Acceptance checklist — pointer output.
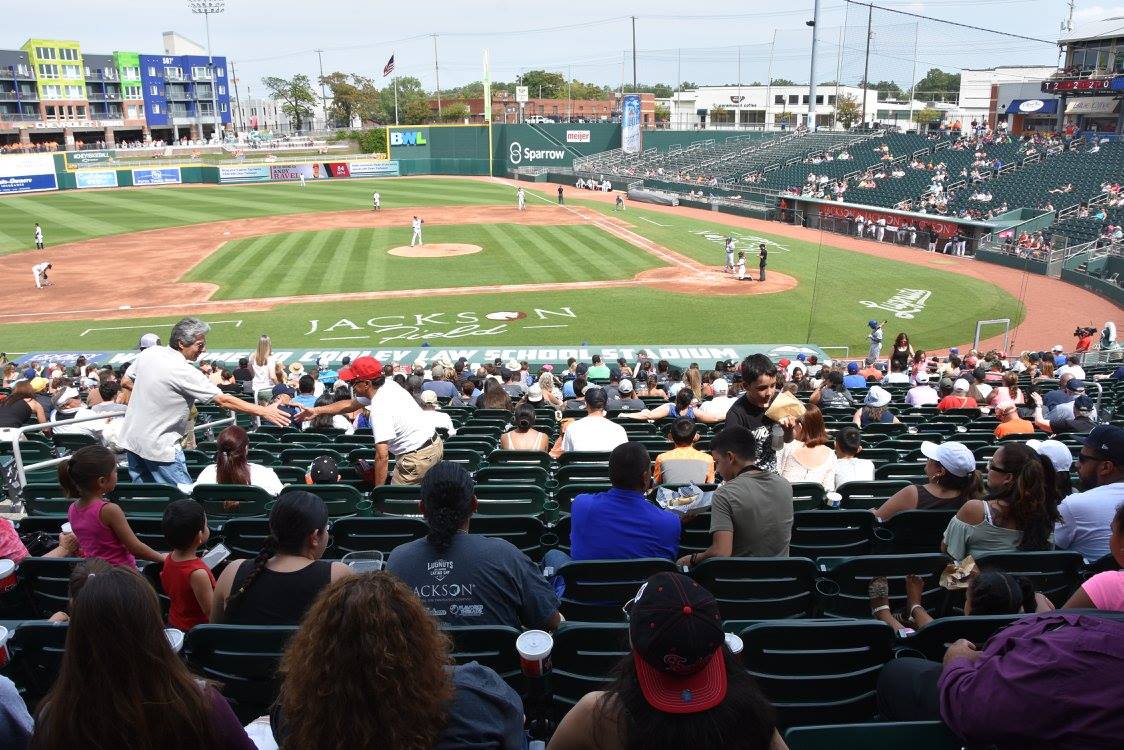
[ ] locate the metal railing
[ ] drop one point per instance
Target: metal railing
(23, 469)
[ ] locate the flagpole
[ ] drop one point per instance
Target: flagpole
(395, 100)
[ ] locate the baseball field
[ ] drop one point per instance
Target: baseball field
(316, 267)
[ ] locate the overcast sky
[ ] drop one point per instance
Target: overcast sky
(703, 42)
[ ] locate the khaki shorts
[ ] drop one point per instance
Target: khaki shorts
(409, 468)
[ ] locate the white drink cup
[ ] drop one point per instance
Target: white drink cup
(534, 648)
(734, 643)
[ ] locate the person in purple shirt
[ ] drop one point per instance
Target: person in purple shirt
(620, 524)
(1047, 681)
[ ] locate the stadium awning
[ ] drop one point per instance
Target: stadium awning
(1033, 107)
(1092, 106)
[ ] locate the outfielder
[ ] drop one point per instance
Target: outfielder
(729, 267)
(38, 237)
(417, 225)
(39, 270)
(302, 179)
(521, 199)
(620, 202)
(377, 201)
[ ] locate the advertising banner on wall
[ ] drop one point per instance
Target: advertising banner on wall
(77, 159)
(373, 168)
(105, 179)
(25, 173)
(630, 124)
(164, 176)
(338, 169)
(314, 171)
(243, 174)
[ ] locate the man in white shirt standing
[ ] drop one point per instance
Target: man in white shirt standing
(38, 237)
(376, 200)
(167, 384)
(520, 199)
(594, 432)
(416, 224)
(400, 427)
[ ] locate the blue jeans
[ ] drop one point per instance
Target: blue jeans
(556, 558)
(157, 472)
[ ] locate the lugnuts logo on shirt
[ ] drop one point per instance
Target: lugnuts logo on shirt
(440, 569)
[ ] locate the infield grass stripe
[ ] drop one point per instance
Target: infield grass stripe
(558, 263)
(511, 246)
(292, 273)
(341, 266)
(81, 222)
(621, 252)
(284, 266)
(10, 243)
(243, 273)
(579, 242)
(226, 206)
(372, 264)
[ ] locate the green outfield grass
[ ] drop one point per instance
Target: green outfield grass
(826, 308)
(356, 260)
(79, 214)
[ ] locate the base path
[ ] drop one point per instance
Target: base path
(1053, 307)
(136, 274)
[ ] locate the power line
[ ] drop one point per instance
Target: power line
(955, 23)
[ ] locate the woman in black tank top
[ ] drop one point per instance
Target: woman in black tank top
(279, 585)
(19, 406)
(949, 471)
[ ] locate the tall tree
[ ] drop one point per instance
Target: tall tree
(296, 96)
(888, 90)
(847, 110)
(413, 102)
(938, 86)
(544, 84)
(782, 82)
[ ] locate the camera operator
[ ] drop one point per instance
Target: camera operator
(1084, 335)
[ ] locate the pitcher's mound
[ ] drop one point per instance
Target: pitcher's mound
(435, 250)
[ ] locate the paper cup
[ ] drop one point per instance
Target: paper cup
(734, 643)
(534, 648)
(834, 499)
(67, 528)
(175, 638)
(4, 633)
(7, 575)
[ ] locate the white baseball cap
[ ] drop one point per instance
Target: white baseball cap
(876, 396)
(953, 456)
(428, 397)
(625, 386)
(960, 385)
(720, 386)
(921, 377)
(513, 365)
(1057, 348)
(534, 393)
(147, 340)
(1055, 450)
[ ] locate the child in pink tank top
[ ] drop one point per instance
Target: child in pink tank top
(100, 526)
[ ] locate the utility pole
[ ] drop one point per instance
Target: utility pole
(437, 75)
(323, 91)
(237, 98)
(769, 80)
(839, 64)
(866, 65)
(913, 80)
(814, 23)
(678, 76)
(634, 86)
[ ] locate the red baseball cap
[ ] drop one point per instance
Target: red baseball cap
(362, 368)
(785, 362)
(677, 645)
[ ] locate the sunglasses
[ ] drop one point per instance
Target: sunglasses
(992, 467)
(1083, 457)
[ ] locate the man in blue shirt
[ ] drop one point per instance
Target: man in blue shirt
(620, 524)
(852, 379)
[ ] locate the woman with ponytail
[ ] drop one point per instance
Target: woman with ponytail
(1017, 514)
(279, 585)
(524, 437)
(469, 579)
(232, 465)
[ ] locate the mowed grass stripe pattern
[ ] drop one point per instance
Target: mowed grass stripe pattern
(76, 214)
(357, 260)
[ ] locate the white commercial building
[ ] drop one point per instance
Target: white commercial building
(979, 90)
(767, 107)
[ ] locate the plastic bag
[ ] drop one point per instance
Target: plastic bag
(685, 500)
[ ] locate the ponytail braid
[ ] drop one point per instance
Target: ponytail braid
(267, 551)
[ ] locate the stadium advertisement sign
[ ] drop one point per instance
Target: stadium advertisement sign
(630, 124)
(244, 174)
(105, 179)
(680, 355)
(25, 173)
(374, 168)
(943, 228)
(77, 159)
(163, 176)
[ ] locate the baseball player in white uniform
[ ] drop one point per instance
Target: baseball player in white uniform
(729, 267)
(740, 267)
(521, 199)
(377, 201)
(417, 225)
(38, 237)
(39, 270)
(302, 179)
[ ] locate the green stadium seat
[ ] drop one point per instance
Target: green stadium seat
(759, 588)
(242, 660)
(584, 656)
(597, 589)
(225, 501)
(850, 597)
(36, 650)
(916, 735)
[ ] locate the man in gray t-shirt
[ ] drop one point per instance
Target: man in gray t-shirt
(751, 513)
(478, 580)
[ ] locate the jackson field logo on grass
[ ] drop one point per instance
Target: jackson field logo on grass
(439, 326)
(905, 303)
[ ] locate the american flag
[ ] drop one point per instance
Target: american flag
(389, 68)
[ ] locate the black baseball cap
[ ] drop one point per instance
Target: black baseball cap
(323, 470)
(677, 639)
(1109, 440)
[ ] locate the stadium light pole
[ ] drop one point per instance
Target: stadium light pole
(207, 8)
(814, 23)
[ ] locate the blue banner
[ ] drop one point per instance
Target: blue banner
(96, 179)
(630, 124)
(163, 176)
(373, 168)
(28, 183)
(243, 174)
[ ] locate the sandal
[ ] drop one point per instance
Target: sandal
(879, 591)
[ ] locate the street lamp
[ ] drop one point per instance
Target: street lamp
(208, 8)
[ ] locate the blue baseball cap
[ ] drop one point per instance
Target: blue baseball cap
(1109, 440)
(283, 390)
(852, 368)
(1059, 360)
(872, 323)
